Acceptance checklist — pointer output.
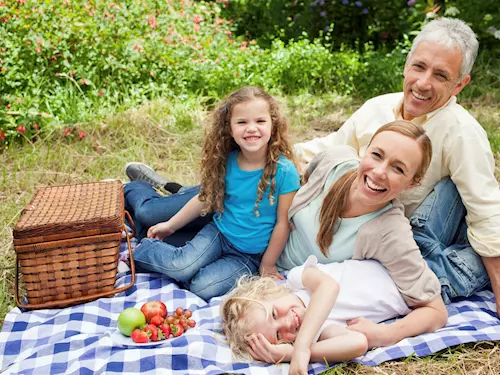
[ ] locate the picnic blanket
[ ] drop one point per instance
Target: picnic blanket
(80, 339)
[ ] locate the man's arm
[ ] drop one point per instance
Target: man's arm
(492, 266)
(472, 169)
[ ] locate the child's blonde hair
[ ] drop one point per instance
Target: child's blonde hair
(249, 291)
(219, 143)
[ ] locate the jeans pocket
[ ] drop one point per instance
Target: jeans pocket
(467, 272)
(423, 211)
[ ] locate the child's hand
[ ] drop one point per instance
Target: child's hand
(161, 230)
(270, 271)
(300, 361)
(262, 350)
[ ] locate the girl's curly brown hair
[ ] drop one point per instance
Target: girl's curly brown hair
(219, 143)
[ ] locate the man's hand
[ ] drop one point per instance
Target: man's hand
(262, 350)
(161, 230)
(375, 333)
(301, 167)
(492, 266)
(300, 361)
(270, 271)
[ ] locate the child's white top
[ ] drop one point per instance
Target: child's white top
(366, 290)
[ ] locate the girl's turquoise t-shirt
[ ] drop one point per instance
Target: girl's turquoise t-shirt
(238, 223)
(302, 240)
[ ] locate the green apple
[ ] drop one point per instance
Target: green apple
(130, 319)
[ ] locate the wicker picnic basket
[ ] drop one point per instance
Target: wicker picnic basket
(67, 241)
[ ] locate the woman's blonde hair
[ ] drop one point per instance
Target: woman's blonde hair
(219, 143)
(334, 202)
(249, 291)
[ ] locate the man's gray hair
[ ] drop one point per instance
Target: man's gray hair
(451, 33)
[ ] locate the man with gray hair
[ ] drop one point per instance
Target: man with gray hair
(455, 212)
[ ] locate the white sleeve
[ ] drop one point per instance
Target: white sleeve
(294, 278)
(346, 135)
(472, 169)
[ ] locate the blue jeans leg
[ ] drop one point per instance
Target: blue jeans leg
(148, 208)
(180, 263)
(220, 276)
(440, 230)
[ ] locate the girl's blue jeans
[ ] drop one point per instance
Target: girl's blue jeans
(440, 230)
(148, 208)
(208, 265)
(198, 256)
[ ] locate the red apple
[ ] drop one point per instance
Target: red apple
(153, 308)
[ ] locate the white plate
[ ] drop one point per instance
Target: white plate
(120, 339)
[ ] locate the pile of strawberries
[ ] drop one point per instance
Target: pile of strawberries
(159, 326)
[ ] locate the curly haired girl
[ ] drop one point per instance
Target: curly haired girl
(248, 180)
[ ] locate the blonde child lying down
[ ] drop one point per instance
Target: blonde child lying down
(306, 319)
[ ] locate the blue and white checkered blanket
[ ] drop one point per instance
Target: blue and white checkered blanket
(79, 340)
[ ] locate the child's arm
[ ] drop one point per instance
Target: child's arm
(186, 214)
(324, 294)
(337, 344)
(278, 237)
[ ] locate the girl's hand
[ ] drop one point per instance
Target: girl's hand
(375, 333)
(300, 361)
(270, 271)
(262, 350)
(161, 230)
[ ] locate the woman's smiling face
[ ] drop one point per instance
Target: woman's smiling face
(388, 167)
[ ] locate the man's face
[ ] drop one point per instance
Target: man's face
(431, 78)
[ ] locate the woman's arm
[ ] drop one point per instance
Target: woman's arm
(423, 319)
(278, 237)
(186, 214)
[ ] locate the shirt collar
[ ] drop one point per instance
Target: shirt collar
(398, 111)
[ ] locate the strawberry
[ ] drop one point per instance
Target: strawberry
(157, 320)
(165, 329)
(152, 332)
(177, 330)
(139, 336)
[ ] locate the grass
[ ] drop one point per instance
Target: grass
(167, 134)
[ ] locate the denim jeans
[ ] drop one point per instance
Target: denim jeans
(148, 208)
(440, 230)
(208, 265)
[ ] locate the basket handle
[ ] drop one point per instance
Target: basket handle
(129, 218)
(78, 300)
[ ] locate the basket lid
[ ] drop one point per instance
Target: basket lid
(67, 211)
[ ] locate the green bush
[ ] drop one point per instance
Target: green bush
(350, 23)
(353, 23)
(63, 62)
(68, 62)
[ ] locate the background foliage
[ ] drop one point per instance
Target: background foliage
(66, 62)
(353, 23)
